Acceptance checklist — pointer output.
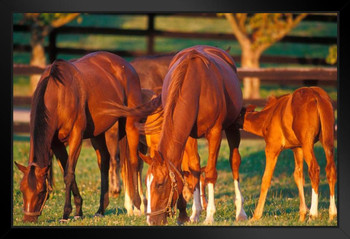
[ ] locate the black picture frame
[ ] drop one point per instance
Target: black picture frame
(8, 7)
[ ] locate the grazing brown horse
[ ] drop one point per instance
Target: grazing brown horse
(296, 121)
(201, 96)
(190, 166)
(66, 108)
(151, 71)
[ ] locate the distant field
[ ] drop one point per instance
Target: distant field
(281, 208)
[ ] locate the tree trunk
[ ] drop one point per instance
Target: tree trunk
(38, 57)
(251, 85)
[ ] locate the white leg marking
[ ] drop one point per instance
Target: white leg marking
(211, 205)
(201, 193)
(196, 207)
(332, 206)
(240, 213)
(314, 204)
(149, 181)
(128, 202)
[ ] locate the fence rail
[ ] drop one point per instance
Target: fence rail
(285, 75)
(151, 33)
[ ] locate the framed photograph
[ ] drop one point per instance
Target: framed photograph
(166, 153)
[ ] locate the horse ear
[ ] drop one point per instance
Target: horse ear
(43, 171)
(22, 168)
(145, 158)
(228, 49)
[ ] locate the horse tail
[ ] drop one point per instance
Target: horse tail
(326, 113)
(142, 111)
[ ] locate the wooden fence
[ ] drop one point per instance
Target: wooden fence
(285, 76)
(281, 75)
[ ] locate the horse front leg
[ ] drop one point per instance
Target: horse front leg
(75, 142)
(214, 140)
(234, 138)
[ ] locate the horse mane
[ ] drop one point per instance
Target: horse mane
(178, 76)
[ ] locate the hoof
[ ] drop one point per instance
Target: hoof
(194, 219)
(182, 220)
(78, 217)
(313, 217)
(64, 220)
(208, 221)
(97, 214)
(332, 216)
(241, 217)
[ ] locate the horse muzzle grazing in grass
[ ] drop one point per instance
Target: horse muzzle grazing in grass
(296, 121)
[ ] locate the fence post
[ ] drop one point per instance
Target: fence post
(52, 45)
(150, 30)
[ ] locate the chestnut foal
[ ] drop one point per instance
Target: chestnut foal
(296, 121)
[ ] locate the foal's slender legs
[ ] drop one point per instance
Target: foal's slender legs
(233, 137)
(100, 147)
(214, 141)
(299, 180)
(314, 174)
(331, 173)
(271, 153)
(60, 152)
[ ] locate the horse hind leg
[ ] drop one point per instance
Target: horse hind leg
(234, 138)
(314, 174)
(331, 173)
(299, 180)
(214, 140)
(100, 147)
(271, 152)
(114, 165)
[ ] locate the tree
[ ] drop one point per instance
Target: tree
(255, 33)
(41, 25)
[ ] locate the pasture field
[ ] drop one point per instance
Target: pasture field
(281, 208)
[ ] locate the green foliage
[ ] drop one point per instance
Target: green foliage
(332, 55)
(44, 19)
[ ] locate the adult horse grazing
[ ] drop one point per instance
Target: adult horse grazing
(66, 108)
(296, 121)
(201, 96)
(190, 166)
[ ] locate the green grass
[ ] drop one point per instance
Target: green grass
(281, 208)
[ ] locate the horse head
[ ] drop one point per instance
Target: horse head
(164, 185)
(35, 188)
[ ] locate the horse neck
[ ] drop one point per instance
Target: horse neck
(171, 146)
